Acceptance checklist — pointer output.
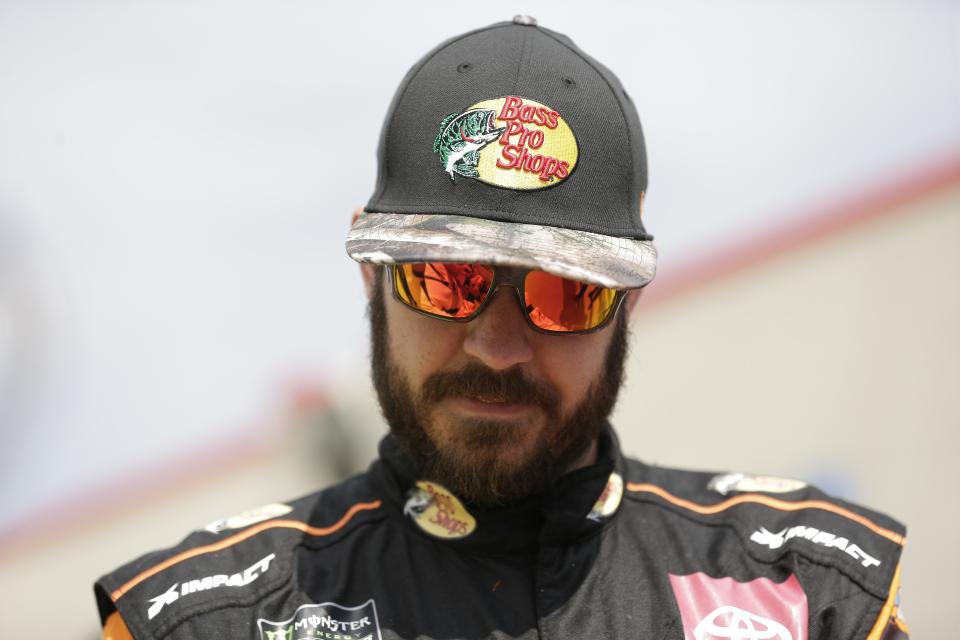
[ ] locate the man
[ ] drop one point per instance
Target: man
(502, 253)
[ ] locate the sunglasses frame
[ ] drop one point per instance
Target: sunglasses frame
(513, 277)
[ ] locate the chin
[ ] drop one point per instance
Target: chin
(491, 462)
(485, 438)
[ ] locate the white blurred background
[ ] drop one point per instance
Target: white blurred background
(182, 335)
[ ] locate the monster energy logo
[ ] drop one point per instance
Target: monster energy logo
(461, 137)
(329, 621)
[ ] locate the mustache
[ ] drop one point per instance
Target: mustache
(482, 383)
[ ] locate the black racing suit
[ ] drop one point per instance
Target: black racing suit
(619, 549)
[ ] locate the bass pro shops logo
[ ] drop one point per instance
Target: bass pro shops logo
(438, 512)
(327, 621)
(535, 147)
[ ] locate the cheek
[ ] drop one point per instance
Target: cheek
(420, 346)
(573, 363)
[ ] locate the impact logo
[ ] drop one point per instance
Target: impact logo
(178, 590)
(438, 512)
(510, 142)
(777, 540)
(328, 621)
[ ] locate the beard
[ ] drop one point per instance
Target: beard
(484, 466)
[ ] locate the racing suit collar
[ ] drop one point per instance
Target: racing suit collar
(568, 510)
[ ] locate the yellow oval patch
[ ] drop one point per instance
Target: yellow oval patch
(438, 512)
(609, 499)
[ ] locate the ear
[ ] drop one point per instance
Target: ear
(370, 272)
(356, 214)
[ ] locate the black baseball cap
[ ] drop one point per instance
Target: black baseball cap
(509, 145)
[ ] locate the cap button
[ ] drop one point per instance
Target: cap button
(528, 21)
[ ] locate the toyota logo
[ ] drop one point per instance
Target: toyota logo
(731, 623)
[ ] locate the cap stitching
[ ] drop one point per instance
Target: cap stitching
(589, 61)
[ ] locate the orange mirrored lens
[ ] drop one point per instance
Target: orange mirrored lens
(557, 304)
(448, 290)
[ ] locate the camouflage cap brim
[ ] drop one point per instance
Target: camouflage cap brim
(608, 261)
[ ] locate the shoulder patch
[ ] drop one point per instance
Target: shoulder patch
(249, 517)
(727, 483)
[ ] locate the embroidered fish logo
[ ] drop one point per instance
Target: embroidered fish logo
(418, 501)
(461, 137)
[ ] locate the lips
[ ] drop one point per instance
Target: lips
(490, 406)
(489, 399)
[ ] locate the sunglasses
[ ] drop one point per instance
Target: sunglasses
(459, 292)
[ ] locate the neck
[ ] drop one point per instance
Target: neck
(588, 458)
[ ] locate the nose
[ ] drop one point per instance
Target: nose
(499, 336)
